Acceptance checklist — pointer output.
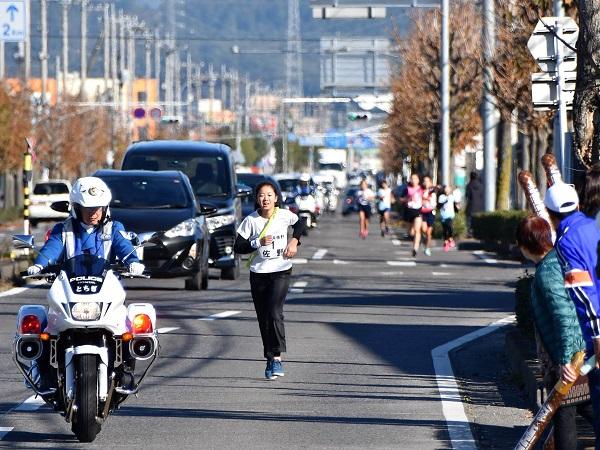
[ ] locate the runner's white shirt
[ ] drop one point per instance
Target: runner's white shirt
(270, 258)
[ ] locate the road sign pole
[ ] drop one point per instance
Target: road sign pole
(563, 156)
(445, 94)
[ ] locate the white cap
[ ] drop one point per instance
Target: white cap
(561, 198)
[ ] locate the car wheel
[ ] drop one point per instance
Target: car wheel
(199, 280)
(231, 273)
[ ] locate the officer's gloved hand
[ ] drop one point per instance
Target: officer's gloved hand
(136, 268)
(34, 270)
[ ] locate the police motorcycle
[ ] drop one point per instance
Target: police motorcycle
(304, 203)
(77, 353)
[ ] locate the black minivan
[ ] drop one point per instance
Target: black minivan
(211, 171)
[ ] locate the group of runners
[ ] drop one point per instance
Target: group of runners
(421, 202)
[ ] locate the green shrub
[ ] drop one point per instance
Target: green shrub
(497, 227)
(523, 308)
(10, 214)
(459, 224)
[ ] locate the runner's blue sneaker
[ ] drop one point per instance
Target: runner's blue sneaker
(269, 370)
(277, 368)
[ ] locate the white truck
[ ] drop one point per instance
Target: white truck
(332, 161)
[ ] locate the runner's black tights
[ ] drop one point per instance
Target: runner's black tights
(268, 294)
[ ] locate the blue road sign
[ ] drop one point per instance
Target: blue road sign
(13, 23)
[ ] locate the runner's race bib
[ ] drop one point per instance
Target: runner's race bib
(276, 249)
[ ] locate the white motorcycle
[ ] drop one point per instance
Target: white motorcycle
(307, 210)
(79, 353)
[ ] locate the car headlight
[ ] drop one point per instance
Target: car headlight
(186, 228)
(86, 311)
(216, 222)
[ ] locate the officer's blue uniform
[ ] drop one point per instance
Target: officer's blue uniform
(54, 249)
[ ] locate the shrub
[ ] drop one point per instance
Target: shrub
(523, 308)
(498, 227)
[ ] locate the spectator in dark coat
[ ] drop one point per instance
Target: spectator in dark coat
(474, 197)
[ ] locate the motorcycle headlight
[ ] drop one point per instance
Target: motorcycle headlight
(186, 228)
(216, 222)
(86, 311)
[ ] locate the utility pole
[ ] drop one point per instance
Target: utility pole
(44, 47)
(293, 57)
(65, 44)
(189, 98)
(177, 77)
(106, 46)
(148, 54)
(488, 109)
(157, 64)
(247, 104)
(212, 80)
(83, 63)
(223, 86)
(557, 8)
(27, 41)
(445, 87)
(114, 58)
(59, 86)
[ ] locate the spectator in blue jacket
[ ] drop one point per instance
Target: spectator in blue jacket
(576, 248)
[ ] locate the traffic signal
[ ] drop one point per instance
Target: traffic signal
(359, 116)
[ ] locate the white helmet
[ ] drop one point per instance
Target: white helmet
(89, 192)
(304, 177)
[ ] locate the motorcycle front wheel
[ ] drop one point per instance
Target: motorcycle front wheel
(84, 424)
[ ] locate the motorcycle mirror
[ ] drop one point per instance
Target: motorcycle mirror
(23, 241)
(243, 190)
(62, 206)
(205, 209)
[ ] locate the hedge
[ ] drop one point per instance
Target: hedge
(497, 227)
(459, 224)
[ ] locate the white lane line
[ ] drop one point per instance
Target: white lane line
(444, 266)
(391, 274)
(4, 431)
(484, 256)
(166, 330)
(402, 263)
(319, 254)
(32, 403)
(299, 260)
(440, 274)
(340, 261)
(13, 291)
(452, 406)
(220, 315)
(298, 287)
(396, 242)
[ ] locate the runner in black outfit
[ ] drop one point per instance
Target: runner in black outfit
(265, 232)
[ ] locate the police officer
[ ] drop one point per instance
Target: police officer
(88, 230)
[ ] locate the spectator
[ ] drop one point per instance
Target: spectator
(556, 323)
(474, 197)
(576, 247)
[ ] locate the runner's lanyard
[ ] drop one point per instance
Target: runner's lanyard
(262, 234)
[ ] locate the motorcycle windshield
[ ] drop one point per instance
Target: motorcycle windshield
(86, 273)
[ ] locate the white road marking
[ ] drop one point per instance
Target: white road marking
(444, 265)
(299, 260)
(391, 274)
(13, 291)
(4, 431)
(30, 404)
(300, 284)
(396, 242)
(452, 406)
(484, 256)
(166, 330)
(339, 261)
(402, 263)
(319, 254)
(220, 315)
(440, 274)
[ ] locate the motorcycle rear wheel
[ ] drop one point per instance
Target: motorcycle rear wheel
(84, 424)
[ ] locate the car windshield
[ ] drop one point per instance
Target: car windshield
(289, 185)
(331, 166)
(85, 265)
(148, 192)
(208, 174)
(50, 188)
